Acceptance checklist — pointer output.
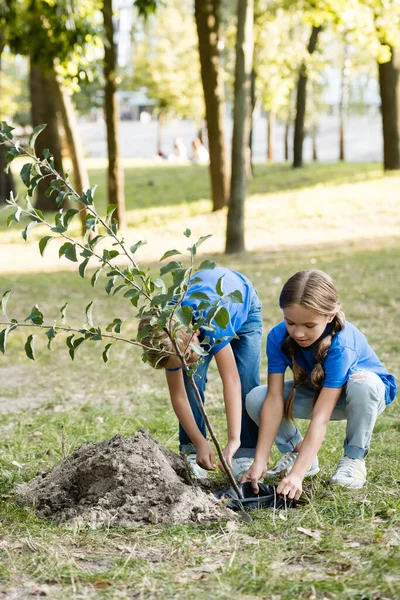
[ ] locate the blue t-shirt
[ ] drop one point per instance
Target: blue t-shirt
(349, 352)
(238, 312)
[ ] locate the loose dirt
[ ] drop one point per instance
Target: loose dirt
(121, 482)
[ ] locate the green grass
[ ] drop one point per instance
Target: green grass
(357, 555)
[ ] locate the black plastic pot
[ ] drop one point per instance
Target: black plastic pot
(266, 498)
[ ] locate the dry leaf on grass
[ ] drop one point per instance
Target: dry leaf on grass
(312, 534)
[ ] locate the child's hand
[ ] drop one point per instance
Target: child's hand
(205, 456)
(254, 474)
(228, 453)
(290, 486)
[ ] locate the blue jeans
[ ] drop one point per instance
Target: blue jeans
(247, 352)
(361, 401)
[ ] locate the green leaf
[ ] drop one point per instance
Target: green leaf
(202, 239)
(133, 296)
(95, 277)
(36, 316)
(30, 347)
(69, 251)
(4, 300)
(82, 267)
(43, 243)
(199, 296)
(39, 214)
(184, 314)
(14, 217)
(109, 254)
(221, 317)
(3, 339)
(116, 325)
(198, 349)
(11, 155)
(110, 284)
(171, 266)
(95, 241)
(28, 228)
(51, 334)
(170, 253)
(37, 131)
(106, 353)
(25, 174)
(111, 208)
(219, 286)
(136, 246)
(88, 312)
(207, 264)
(187, 233)
(118, 288)
(63, 311)
(236, 297)
(69, 215)
(7, 130)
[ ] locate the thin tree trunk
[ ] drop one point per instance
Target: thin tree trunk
(44, 110)
(241, 126)
(344, 101)
(6, 178)
(75, 149)
(301, 103)
(116, 193)
(207, 14)
(389, 81)
(286, 140)
(271, 123)
(250, 165)
(161, 119)
(314, 143)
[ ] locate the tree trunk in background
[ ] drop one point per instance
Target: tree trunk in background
(389, 82)
(341, 137)
(161, 119)
(75, 148)
(6, 178)
(314, 143)
(286, 140)
(271, 122)
(207, 14)
(241, 126)
(44, 110)
(301, 103)
(344, 100)
(116, 193)
(250, 165)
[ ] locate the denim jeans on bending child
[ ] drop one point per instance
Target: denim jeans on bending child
(361, 401)
(247, 352)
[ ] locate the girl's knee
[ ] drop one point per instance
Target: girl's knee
(254, 401)
(364, 387)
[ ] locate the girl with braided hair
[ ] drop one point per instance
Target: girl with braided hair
(336, 376)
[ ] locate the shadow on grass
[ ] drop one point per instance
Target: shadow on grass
(169, 185)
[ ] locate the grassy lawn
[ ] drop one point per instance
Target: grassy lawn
(354, 552)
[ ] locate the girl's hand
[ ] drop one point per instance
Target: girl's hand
(205, 456)
(290, 486)
(228, 452)
(254, 474)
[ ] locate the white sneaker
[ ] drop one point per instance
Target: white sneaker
(197, 471)
(350, 472)
(285, 464)
(240, 465)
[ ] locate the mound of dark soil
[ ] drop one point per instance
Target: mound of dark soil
(121, 482)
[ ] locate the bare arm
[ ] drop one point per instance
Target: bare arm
(327, 400)
(232, 391)
(270, 419)
(182, 409)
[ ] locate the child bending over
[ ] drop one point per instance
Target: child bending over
(238, 362)
(336, 376)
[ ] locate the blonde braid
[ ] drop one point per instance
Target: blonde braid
(318, 375)
(300, 376)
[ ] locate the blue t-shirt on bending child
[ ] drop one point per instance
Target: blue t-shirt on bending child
(349, 352)
(238, 312)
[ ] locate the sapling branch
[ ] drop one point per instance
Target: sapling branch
(164, 310)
